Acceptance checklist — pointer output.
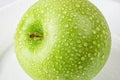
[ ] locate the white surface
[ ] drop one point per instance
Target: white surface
(9, 17)
(6, 2)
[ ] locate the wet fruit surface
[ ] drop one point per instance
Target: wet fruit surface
(62, 40)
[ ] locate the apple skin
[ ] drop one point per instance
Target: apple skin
(62, 40)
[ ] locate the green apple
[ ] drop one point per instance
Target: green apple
(62, 40)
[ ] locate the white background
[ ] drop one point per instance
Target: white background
(12, 10)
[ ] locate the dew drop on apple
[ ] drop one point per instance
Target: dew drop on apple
(82, 58)
(79, 62)
(79, 46)
(97, 21)
(69, 19)
(90, 18)
(84, 37)
(67, 33)
(80, 67)
(66, 44)
(98, 29)
(77, 5)
(20, 47)
(78, 41)
(85, 44)
(68, 51)
(71, 43)
(42, 11)
(73, 48)
(94, 32)
(68, 72)
(67, 25)
(95, 54)
(79, 34)
(71, 59)
(72, 35)
(89, 55)
(60, 57)
(83, 73)
(78, 54)
(98, 45)
(63, 36)
(94, 42)
(103, 57)
(57, 77)
(62, 16)
(64, 12)
(91, 58)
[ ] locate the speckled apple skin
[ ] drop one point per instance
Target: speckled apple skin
(73, 40)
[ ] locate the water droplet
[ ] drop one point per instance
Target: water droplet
(98, 29)
(83, 73)
(98, 45)
(91, 47)
(84, 37)
(59, 15)
(91, 58)
(95, 54)
(79, 34)
(94, 42)
(72, 54)
(78, 41)
(78, 54)
(54, 69)
(56, 37)
(62, 17)
(63, 8)
(60, 57)
(65, 40)
(75, 65)
(63, 63)
(67, 32)
(75, 27)
(64, 12)
(83, 12)
(72, 64)
(103, 57)
(42, 11)
(68, 71)
(73, 48)
(63, 36)
(66, 25)
(57, 77)
(79, 46)
(72, 35)
(68, 51)
(97, 36)
(66, 44)
(71, 43)
(33, 64)
(78, 5)
(85, 44)
(104, 32)
(94, 32)
(79, 63)
(74, 15)
(82, 58)
(89, 55)
(69, 19)
(38, 71)
(97, 21)
(71, 59)
(90, 18)
(78, 76)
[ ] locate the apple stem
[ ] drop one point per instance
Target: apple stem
(34, 36)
